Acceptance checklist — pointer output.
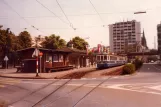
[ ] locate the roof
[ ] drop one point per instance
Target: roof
(43, 49)
(64, 49)
(67, 49)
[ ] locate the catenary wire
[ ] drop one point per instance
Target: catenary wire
(52, 12)
(64, 14)
(20, 16)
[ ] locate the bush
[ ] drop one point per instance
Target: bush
(128, 69)
(138, 64)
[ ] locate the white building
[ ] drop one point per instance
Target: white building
(122, 34)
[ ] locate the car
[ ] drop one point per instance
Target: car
(152, 61)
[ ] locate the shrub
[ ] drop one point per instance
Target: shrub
(138, 63)
(128, 69)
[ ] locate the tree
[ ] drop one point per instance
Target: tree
(78, 43)
(53, 42)
(8, 43)
(24, 40)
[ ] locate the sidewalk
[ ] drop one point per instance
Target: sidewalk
(11, 73)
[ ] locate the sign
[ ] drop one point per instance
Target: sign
(36, 53)
(6, 58)
(40, 54)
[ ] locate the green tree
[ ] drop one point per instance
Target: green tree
(78, 43)
(8, 45)
(24, 40)
(53, 42)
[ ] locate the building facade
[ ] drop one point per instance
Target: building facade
(123, 34)
(52, 59)
(159, 38)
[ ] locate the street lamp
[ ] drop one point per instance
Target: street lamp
(140, 12)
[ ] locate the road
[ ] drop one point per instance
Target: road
(142, 89)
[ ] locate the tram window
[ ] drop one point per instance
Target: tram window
(101, 58)
(98, 58)
(105, 58)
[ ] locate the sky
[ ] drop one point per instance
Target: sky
(81, 15)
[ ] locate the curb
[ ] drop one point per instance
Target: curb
(24, 77)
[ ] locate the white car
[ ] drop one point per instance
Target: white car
(152, 61)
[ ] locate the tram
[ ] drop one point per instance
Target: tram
(107, 61)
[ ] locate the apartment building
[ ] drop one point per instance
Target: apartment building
(124, 34)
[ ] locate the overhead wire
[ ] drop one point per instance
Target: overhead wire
(97, 11)
(65, 14)
(90, 14)
(52, 12)
(20, 16)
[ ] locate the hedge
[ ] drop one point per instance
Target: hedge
(138, 64)
(128, 69)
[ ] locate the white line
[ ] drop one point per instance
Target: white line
(158, 87)
(94, 78)
(33, 83)
(118, 87)
(115, 77)
(156, 68)
(84, 78)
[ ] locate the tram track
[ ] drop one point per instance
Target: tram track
(65, 95)
(10, 104)
(81, 99)
(49, 104)
(52, 92)
(55, 90)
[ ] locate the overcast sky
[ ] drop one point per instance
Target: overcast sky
(83, 17)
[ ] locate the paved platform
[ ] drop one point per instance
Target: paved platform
(90, 72)
(11, 73)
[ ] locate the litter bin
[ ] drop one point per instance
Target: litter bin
(29, 66)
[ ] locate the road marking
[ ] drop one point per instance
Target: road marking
(158, 87)
(33, 83)
(94, 78)
(9, 82)
(83, 78)
(5, 82)
(129, 87)
(115, 77)
(118, 86)
(156, 68)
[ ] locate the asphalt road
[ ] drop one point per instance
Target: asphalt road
(142, 89)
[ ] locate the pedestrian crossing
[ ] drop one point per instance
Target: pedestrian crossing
(7, 81)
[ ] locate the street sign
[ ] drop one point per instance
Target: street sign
(36, 53)
(6, 58)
